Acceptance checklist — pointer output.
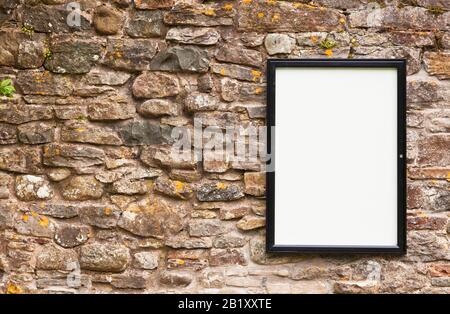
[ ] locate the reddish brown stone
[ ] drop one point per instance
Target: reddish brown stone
(437, 63)
(262, 15)
(433, 150)
(426, 223)
(219, 257)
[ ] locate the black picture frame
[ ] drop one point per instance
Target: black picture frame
(400, 66)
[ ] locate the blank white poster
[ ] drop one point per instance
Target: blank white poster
(336, 157)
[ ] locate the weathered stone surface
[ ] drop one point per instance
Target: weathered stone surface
(56, 210)
(158, 107)
(424, 92)
(391, 17)
(72, 156)
(146, 260)
(18, 114)
(193, 36)
(162, 155)
(18, 49)
(251, 223)
(104, 257)
(8, 134)
(204, 227)
(175, 278)
(217, 119)
(188, 243)
(433, 150)
(229, 241)
(132, 280)
(255, 183)
(70, 112)
(101, 216)
(69, 236)
(33, 224)
(411, 54)
(130, 54)
(239, 55)
(171, 188)
(107, 77)
(411, 38)
(20, 159)
(30, 188)
(237, 71)
(258, 253)
(199, 15)
(5, 183)
(144, 133)
(201, 102)
(281, 16)
(426, 247)
(437, 63)
(426, 223)
(76, 131)
(181, 58)
(146, 24)
(402, 278)
(155, 85)
(219, 192)
(153, 4)
(72, 56)
(219, 257)
(35, 82)
(48, 19)
(111, 109)
(279, 43)
(81, 188)
(36, 132)
(150, 218)
(107, 20)
(233, 212)
(52, 257)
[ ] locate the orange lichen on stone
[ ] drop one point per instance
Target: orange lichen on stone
(13, 289)
(258, 90)
(222, 71)
(25, 217)
(228, 7)
(221, 185)
(256, 75)
(329, 52)
(43, 221)
(261, 15)
(247, 1)
(342, 20)
(275, 17)
(179, 186)
(448, 176)
(207, 11)
(271, 1)
(314, 39)
(107, 211)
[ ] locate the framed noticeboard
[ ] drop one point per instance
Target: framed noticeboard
(337, 141)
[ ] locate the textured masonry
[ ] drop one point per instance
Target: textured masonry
(90, 192)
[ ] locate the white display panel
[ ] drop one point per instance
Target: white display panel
(336, 157)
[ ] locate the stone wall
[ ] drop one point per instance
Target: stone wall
(91, 199)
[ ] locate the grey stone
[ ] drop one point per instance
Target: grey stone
(144, 133)
(8, 134)
(146, 260)
(72, 156)
(146, 24)
(73, 56)
(279, 43)
(81, 188)
(36, 132)
(194, 36)
(181, 58)
(101, 216)
(104, 257)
